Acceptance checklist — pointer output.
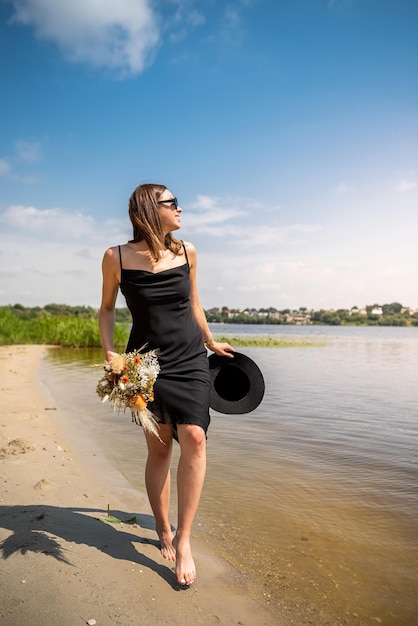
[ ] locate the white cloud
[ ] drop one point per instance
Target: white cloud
(232, 218)
(47, 222)
(57, 225)
(55, 255)
(231, 31)
(118, 35)
(208, 215)
(23, 151)
(205, 202)
(406, 185)
(198, 222)
(28, 151)
(338, 3)
(342, 188)
(40, 272)
(5, 168)
(211, 203)
(185, 15)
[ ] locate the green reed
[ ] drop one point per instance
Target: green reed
(260, 341)
(72, 331)
(55, 330)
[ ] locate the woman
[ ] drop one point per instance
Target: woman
(157, 275)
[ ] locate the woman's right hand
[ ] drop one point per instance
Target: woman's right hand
(109, 354)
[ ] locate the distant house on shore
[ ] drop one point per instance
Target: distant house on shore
(296, 317)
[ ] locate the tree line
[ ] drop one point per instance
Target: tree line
(393, 314)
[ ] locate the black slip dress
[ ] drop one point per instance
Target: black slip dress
(159, 303)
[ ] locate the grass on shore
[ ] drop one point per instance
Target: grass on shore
(261, 341)
(76, 332)
(69, 332)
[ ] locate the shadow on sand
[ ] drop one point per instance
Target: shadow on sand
(37, 528)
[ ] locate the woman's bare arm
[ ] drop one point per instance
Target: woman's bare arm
(222, 349)
(110, 286)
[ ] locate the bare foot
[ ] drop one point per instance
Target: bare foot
(185, 567)
(166, 545)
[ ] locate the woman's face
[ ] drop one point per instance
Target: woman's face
(169, 212)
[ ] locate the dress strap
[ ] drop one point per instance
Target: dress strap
(120, 257)
(185, 253)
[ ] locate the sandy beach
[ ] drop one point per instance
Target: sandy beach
(60, 561)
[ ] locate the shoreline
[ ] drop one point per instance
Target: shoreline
(60, 561)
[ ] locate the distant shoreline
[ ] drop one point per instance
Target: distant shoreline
(68, 326)
(347, 324)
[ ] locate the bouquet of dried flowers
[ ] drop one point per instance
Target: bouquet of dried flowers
(128, 382)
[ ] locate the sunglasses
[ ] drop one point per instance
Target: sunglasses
(169, 201)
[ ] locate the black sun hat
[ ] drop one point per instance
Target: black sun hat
(237, 384)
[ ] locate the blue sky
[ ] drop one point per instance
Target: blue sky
(287, 129)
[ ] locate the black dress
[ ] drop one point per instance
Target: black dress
(162, 319)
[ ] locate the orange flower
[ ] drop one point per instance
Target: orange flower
(125, 379)
(140, 401)
(137, 360)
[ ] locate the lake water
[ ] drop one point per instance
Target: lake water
(313, 497)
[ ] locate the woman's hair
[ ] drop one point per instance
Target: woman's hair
(146, 223)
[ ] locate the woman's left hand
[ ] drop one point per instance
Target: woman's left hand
(222, 349)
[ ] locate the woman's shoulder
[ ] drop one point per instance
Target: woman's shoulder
(190, 248)
(112, 254)
(190, 253)
(112, 251)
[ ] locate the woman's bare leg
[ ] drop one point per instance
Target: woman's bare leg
(157, 481)
(190, 477)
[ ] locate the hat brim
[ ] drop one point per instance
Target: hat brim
(237, 384)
